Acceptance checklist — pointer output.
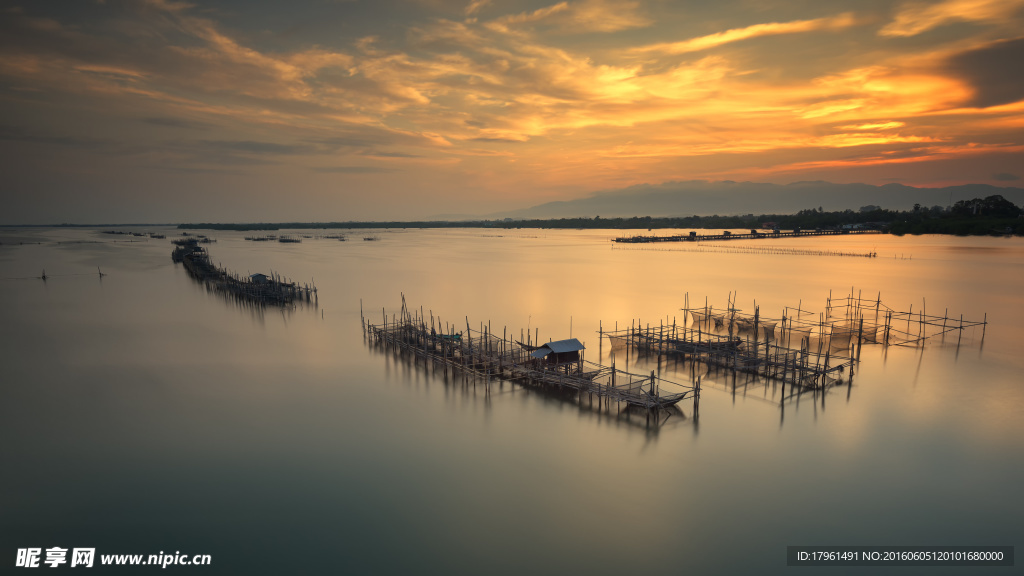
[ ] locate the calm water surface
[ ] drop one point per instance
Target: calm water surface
(141, 414)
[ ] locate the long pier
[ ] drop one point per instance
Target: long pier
(258, 289)
(695, 237)
(488, 355)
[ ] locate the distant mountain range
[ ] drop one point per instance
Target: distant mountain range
(704, 198)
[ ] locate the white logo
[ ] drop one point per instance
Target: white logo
(28, 557)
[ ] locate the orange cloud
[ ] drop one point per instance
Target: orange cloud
(738, 34)
(517, 89)
(916, 17)
(581, 16)
(928, 154)
(475, 5)
(875, 126)
(738, 143)
(888, 91)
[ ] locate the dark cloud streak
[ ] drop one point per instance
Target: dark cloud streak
(22, 134)
(170, 122)
(993, 71)
(256, 147)
(354, 170)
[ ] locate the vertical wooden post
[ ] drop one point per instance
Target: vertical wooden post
(860, 339)
(785, 372)
(696, 398)
(756, 319)
(817, 361)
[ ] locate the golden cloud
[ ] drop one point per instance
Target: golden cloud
(875, 126)
(513, 89)
(916, 17)
(581, 16)
(737, 34)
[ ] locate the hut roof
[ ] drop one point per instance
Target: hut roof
(558, 347)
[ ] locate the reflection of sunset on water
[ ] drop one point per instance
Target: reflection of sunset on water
(186, 393)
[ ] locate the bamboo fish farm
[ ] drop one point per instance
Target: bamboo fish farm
(801, 349)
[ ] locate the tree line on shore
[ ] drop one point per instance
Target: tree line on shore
(979, 216)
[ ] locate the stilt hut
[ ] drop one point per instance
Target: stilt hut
(562, 355)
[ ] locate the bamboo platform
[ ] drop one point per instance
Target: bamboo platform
(272, 289)
(485, 354)
(811, 367)
(801, 348)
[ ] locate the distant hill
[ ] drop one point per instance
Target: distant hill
(704, 198)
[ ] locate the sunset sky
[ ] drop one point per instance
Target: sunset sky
(321, 110)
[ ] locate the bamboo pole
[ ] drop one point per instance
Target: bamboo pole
(860, 338)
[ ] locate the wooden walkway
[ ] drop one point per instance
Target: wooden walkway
(487, 355)
(257, 289)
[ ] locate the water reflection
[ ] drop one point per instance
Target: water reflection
(472, 385)
(295, 428)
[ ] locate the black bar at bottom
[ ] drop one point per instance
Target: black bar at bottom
(899, 556)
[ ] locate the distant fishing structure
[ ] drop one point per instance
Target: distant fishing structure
(44, 276)
(153, 235)
(260, 289)
(770, 250)
(727, 235)
(286, 239)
